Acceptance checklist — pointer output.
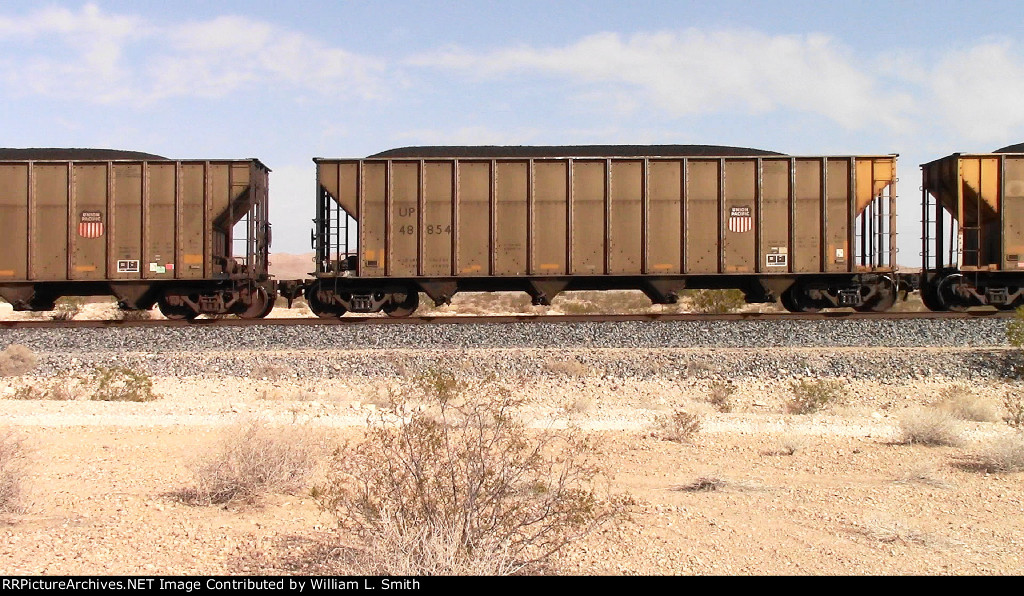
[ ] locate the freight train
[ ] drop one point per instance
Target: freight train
(814, 232)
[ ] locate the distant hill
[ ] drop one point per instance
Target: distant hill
(287, 266)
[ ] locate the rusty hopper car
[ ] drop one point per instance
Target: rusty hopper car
(817, 232)
(190, 236)
(973, 230)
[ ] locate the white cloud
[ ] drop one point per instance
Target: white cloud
(695, 72)
(108, 58)
(977, 92)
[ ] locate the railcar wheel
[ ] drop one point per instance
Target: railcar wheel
(787, 302)
(948, 297)
(321, 308)
(405, 307)
(883, 300)
(795, 300)
(175, 312)
(930, 298)
(261, 305)
(270, 305)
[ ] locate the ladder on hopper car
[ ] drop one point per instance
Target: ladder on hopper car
(874, 236)
(330, 236)
(964, 242)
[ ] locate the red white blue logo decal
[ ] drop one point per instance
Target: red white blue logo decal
(90, 225)
(740, 219)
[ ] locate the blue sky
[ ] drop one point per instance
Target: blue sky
(287, 81)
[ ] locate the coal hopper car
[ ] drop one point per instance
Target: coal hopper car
(973, 230)
(815, 232)
(191, 236)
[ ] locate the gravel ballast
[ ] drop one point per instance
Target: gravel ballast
(974, 348)
(980, 332)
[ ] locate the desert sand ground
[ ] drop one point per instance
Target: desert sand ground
(836, 492)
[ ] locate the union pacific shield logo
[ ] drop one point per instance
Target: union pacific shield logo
(90, 225)
(740, 219)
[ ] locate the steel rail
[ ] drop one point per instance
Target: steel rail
(500, 319)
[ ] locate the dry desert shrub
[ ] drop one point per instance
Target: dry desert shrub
(704, 484)
(811, 395)
(1015, 328)
(584, 404)
(67, 308)
(959, 401)
(610, 302)
(119, 383)
(270, 371)
(929, 426)
(923, 473)
(569, 367)
(679, 427)
(495, 302)
(790, 443)
(12, 472)
(1013, 402)
(132, 315)
(720, 396)
(253, 460)
(891, 530)
(101, 384)
(461, 487)
(708, 484)
(1005, 454)
(63, 388)
(16, 360)
(909, 302)
(716, 301)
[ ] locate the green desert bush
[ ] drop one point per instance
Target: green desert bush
(120, 383)
(67, 308)
(716, 301)
(1015, 329)
(811, 395)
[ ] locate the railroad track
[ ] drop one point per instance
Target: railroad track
(450, 320)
